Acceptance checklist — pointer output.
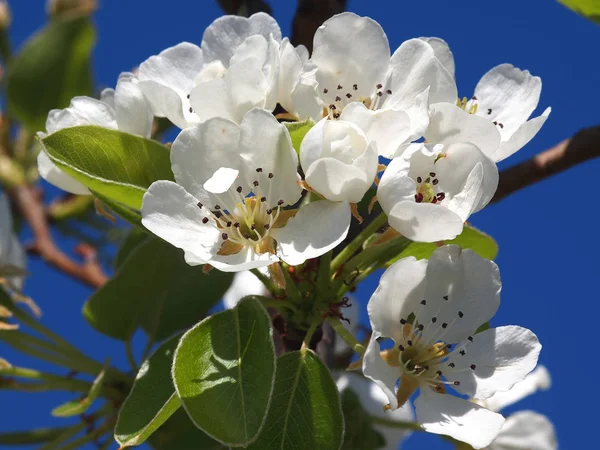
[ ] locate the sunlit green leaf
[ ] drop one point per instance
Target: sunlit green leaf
(587, 8)
(77, 407)
(298, 130)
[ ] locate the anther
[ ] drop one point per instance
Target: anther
(457, 383)
(423, 302)
(409, 343)
(340, 87)
(237, 224)
(253, 227)
(200, 205)
(401, 347)
(495, 123)
(218, 214)
(228, 224)
(379, 93)
(452, 365)
(269, 211)
(255, 184)
(267, 226)
(433, 319)
(388, 92)
(205, 220)
(460, 314)
(434, 200)
(419, 197)
(336, 116)
(188, 96)
(470, 338)
(473, 98)
(439, 372)
(191, 109)
(348, 95)
(259, 169)
(462, 353)
(473, 366)
(500, 125)
(224, 236)
(441, 196)
(402, 321)
(421, 327)
(435, 181)
(419, 180)
(217, 207)
(263, 199)
(448, 346)
(239, 189)
(270, 175)
(325, 91)
(432, 174)
(338, 99)
(445, 297)
(332, 107)
(379, 86)
(489, 111)
(355, 87)
(280, 202)
(444, 325)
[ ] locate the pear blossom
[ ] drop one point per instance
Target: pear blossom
(359, 82)
(431, 190)
(371, 398)
(123, 108)
(230, 207)
(12, 255)
(523, 430)
(424, 315)
(504, 98)
(234, 70)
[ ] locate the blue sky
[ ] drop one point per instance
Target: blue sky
(547, 256)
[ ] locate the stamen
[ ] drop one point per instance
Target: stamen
(325, 91)
(473, 366)
(340, 87)
(224, 236)
(355, 87)
(200, 205)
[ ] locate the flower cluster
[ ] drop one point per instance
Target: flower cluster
(246, 196)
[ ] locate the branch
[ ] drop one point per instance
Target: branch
(585, 145)
(310, 15)
(32, 210)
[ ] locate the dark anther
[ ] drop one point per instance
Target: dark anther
(426, 367)
(441, 196)
(325, 91)
(470, 338)
(473, 367)
(280, 202)
(332, 107)
(253, 227)
(500, 125)
(340, 87)
(457, 383)
(270, 175)
(448, 346)
(402, 321)
(379, 94)
(269, 211)
(444, 325)
(433, 319)
(239, 189)
(336, 116)
(200, 205)
(460, 314)
(401, 347)
(423, 302)
(263, 199)
(434, 200)
(421, 327)
(228, 224)
(355, 87)
(489, 110)
(473, 98)
(259, 169)
(462, 353)
(205, 220)
(267, 226)
(255, 184)
(419, 180)
(379, 86)
(418, 197)
(452, 365)
(217, 207)
(218, 214)
(188, 96)
(224, 236)
(246, 236)
(495, 123)
(435, 181)
(439, 372)
(338, 99)
(409, 343)
(348, 95)
(432, 174)
(237, 224)
(191, 109)
(445, 297)
(388, 92)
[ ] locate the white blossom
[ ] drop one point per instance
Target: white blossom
(371, 398)
(123, 108)
(244, 283)
(228, 207)
(431, 190)
(428, 311)
(12, 254)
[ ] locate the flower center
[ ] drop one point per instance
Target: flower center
(426, 189)
(337, 98)
(471, 106)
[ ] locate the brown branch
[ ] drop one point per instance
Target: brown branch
(32, 209)
(585, 145)
(310, 15)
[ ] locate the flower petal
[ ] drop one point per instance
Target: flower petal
(449, 124)
(245, 259)
(442, 53)
(401, 289)
(395, 185)
(526, 430)
(388, 129)
(376, 369)
(424, 222)
(172, 214)
(317, 228)
(266, 144)
(521, 137)
(511, 94)
(53, 175)
(471, 285)
(337, 181)
(222, 37)
(501, 356)
(350, 50)
(82, 111)
(133, 113)
(457, 418)
(166, 102)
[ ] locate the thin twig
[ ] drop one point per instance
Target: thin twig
(585, 145)
(32, 209)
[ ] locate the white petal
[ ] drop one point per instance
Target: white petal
(199, 151)
(450, 124)
(221, 180)
(401, 289)
(512, 95)
(395, 185)
(311, 146)
(465, 202)
(472, 286)
(289, 71)
(348, 50)
(388, 129)
(384, 375)
(425, 222)
(521, 137)
(53, 175)
(442, 53)
(266, 144)
(457, 418)
(244, 283)
(526, 430)
(172, 214)
(317, 228)
(245, 259)
(305, 96)
(107, 96)
(538, 379)
(166, 102)
(337, 181)
(502, 357)
(414, 67)
(82, 111)
(132, 111)
(222, 37)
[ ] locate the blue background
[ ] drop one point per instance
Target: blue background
(546, 233)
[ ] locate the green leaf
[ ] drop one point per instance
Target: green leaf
(152, 399)
(130, 215)
(471, 238)
(35, 436)
(298, 130)
(587, 8)
(179, 433)
(132, 241)
(52, 67)
(156, 289)
(224, 371)
(117, 165)
(361, 434)
(305, 412)
(77, 407)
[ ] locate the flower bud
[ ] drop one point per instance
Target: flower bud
(5, 16)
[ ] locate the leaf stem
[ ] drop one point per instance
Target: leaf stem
(358, 241)
(324, 276)
(310, 333)
(342, 332)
